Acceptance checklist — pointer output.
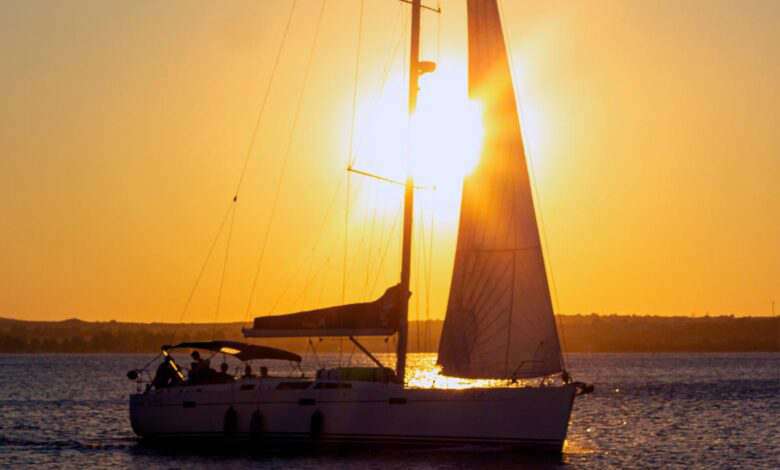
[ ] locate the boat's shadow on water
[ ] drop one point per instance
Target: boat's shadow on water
(347, 456)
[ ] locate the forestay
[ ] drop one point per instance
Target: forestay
(499, 321)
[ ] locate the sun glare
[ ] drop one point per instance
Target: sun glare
(446, 136)
(426, 374)
(444, 142)
(444, 139)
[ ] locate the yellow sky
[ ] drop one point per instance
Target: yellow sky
(651, 127)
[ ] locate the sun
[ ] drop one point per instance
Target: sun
(443, 137)
(446, 135)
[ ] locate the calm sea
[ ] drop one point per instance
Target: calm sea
(649, 410)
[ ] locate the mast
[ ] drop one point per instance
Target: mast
(406, 253)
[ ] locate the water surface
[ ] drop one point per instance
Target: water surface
(649, 410)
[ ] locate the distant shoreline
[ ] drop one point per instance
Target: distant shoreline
(579, 333)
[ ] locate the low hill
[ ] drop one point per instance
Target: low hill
(580, 333)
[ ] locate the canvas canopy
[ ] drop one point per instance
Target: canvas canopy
(241, 351)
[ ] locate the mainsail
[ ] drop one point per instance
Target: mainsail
(499, 321)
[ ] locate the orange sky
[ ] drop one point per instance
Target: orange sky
(651, 126)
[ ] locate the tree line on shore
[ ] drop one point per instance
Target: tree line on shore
(579, 333)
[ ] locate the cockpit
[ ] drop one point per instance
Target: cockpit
(170, 373)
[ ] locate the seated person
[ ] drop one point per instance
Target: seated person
(264, 371)
(222, 376)
(248, 371)
(200, 369)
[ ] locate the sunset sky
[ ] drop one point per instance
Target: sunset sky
(652, 130)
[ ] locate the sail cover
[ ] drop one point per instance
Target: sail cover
(499, 321)
(377, 318)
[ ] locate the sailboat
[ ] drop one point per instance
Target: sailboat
(499, 321)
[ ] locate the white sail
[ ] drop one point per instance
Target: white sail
(499, 321)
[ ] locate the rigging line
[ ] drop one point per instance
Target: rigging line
(285, 158)
(370, 249)
(425, 261)
(356, 81)
(309, 279)
(429, 279)
(246, 161)
(422, 273)
(422, 325)
(391, 58)
(426, 264)
(532, 178)
(389, 63)
(312, 278)
(324, 283)
(418, 268)
(363, 245)
(390, 239)
(264, 102)
(374, 245)
(351, 155)
(405, 71)
(225, 263)
(380, 229)
(310, 283)
(400, 21)
(382, 86)
(346, 239)
(346, 235)
(306, 261)
(206, 262)
(351, 353)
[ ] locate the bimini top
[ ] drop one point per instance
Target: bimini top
(241, 351)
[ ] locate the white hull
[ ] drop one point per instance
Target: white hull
(367, 413)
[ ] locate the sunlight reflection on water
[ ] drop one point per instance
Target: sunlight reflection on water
(424, 373)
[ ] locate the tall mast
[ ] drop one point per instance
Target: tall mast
(406, 253)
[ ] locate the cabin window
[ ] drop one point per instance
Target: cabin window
(293, 385)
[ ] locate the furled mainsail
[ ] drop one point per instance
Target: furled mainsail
(499, 321)
(377, 318)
